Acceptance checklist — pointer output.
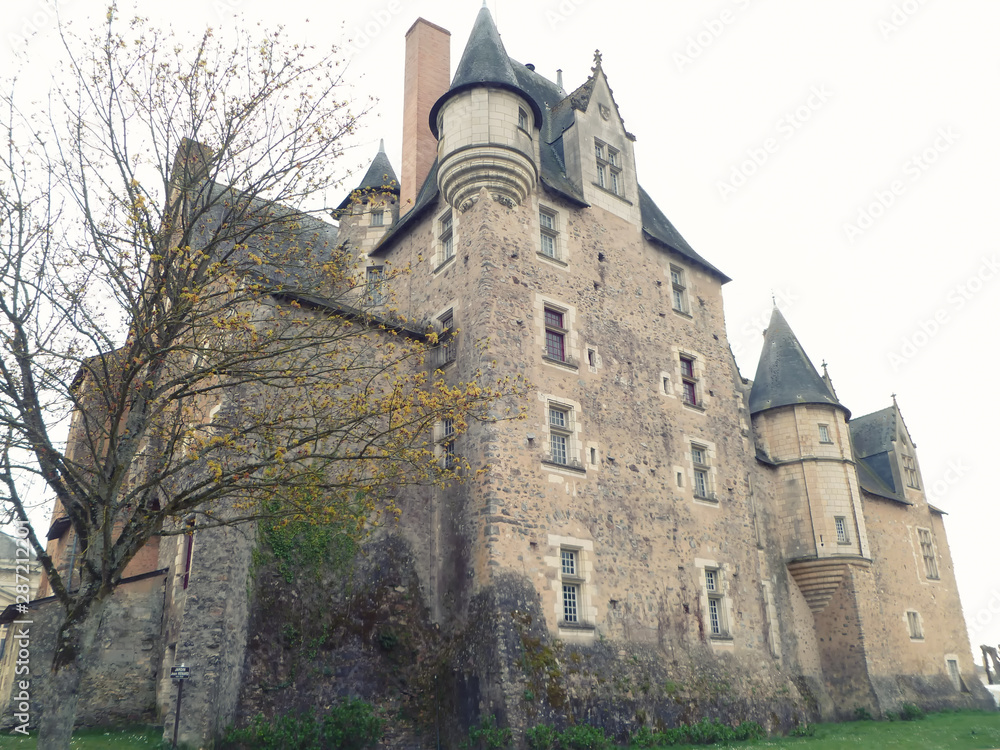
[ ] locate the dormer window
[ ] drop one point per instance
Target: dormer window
(609, 172)
(910, 470)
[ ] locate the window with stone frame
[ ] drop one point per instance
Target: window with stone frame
(914, 625)
(911, 476)
(522, 119)
(954, 674)
(679, 290)
(375, 285)
(824, 434)
(548, 233)
(378, 217)
(449, 460)
(555, 334)
(841, 524)
(446, 238)
(927, 552)
(702, 479)
(716, 614)
(571, 580)
(560, 434)
(447, 349)
(609, 167)
(689, 381)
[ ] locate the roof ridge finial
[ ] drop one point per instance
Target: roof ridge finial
(381, 145)
(774, 301)
(484, 3)
(598, 57)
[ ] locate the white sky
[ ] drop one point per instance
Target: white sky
(843, 103)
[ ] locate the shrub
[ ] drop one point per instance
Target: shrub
(911, 712)
(489, 736)
(803, 730)
(542, 737)
(584, 737)
(862, 714)
(349, 725)
(704, 732)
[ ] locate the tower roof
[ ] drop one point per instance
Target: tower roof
(484, 63)
(785, 375)
(380, 178)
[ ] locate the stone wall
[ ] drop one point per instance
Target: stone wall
(207, 631)
(120, 683)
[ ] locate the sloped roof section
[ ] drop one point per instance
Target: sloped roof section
(874, 433)
(426, 198)
(785, 375)
(872, 438)
(658, 227)
(380, 178)
(484, 62)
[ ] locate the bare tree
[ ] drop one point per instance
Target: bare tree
(164, 286)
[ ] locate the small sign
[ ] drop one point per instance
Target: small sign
(180, 673)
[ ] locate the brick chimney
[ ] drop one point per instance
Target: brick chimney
(427, 77)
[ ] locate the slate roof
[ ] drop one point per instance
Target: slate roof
(657, 227)
(872, 436)
(380, 178)
(873, 433)
(785, 375)
(485, 62)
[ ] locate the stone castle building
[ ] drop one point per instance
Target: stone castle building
(662, 538)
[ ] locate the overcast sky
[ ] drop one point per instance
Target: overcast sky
(838, 154)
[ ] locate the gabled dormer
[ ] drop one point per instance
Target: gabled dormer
(596, 147)
(887, 456)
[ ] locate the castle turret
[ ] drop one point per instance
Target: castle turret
(801, 429)
(372, 207)
(486, 124)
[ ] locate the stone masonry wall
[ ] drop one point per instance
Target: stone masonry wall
(120, 683)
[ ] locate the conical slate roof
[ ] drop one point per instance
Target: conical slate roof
(380, 177)
(484, 63)
(785, 375)
(380, 174)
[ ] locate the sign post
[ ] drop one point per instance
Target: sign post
(180, 674)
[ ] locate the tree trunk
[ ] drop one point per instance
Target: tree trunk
(73, 654)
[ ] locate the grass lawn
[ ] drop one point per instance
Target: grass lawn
(967, 730)
(96, 739)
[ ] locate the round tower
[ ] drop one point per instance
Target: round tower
(801, 429)
(486, 125)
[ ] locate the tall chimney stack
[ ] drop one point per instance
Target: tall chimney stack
(427, 77)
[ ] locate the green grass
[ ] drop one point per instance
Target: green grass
(966, 730)
(96, 739)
